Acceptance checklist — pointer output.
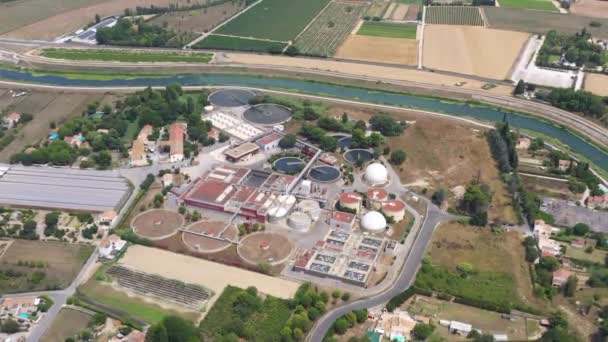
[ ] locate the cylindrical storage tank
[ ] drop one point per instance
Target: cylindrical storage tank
(208, 109)
(373, 222)
(351, 200)
(375, 198)
(311, 208)
(376, 174)
(299, 221)
(394, 209)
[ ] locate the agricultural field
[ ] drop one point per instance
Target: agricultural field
(376, 9)
(280, 20)
(500, 273)
(528, 21)
(41, 265)
(539, 5)
(596, 83)
(379, 49)
(399, 12)
(454, 15)
(590, 8)
(132, 56)
(48, 20)
(330, 28)
(68, 323)
(472, 50)
(235, 43)
(200, 20)
(389, 30)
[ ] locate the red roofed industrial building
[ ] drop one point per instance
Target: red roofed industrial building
(394, 209)
(269, 142)
(351, 200)
(176, 141)
(375, 198)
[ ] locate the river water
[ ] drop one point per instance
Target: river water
(578, 145)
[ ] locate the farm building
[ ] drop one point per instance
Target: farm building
(62, 188)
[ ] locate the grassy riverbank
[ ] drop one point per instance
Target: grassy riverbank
(136, 56)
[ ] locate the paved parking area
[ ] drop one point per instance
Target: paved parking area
(567, 213)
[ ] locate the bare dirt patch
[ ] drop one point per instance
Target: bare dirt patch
(400, 12)
(597, 83)
(454, 243)
(55, 22)
(590, 8)
(412, 12)
(157, 224)
(379, 49)
(68, 323)
(201, 20)
(198, 243)
(269, 248)
(472, 50)
(389, 10)
(212, 275)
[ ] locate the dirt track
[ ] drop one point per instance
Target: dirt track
(471, 50)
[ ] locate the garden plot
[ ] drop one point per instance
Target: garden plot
(454, 15)
(472, 50)
(328, 31)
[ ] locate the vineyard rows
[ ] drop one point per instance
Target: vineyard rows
(454, 15)
(330, 29)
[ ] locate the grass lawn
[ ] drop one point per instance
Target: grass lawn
(390, 30)
(541, 5)
(274, 19)
(126, 56)
(233, 43)
(597, 256)
(131, 306)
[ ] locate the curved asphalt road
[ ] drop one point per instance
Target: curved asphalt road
(433, 217)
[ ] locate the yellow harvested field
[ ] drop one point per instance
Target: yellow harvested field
(56, 25)
(208, 274)
(472, 50)
(379, 49)
(359, 70)
(596, 83)
(400, 12)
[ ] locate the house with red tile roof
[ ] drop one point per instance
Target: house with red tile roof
(560, 277)
(11, 120)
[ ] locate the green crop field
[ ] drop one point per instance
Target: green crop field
(235, 43)
(126, 56)
(541, 5)
(391, 30)
(328, 31)
(540, 22)
(274, 19)
(453, 15)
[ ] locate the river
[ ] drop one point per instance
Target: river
(576, 144)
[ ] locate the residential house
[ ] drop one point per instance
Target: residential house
(11, 120)
(176, 141)
(20, 307)
(396, 325)
(76, 141)
(564, 165)
(560, 277)
(600, 202)
(108, 217)
(111, 246)
(542, 233)
(523, 143)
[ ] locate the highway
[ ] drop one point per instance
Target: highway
(433, 217)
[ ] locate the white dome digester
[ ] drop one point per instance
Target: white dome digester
(376, 173)
(373, 221)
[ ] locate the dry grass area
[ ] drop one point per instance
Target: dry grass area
(454, 243)
(68, 323)
(365, 70)
(379, 49)
(438, 160)
(212, 275)
(472, 50)
(596, 83)
(590, 8)
(400, 12)
(45, 108)
(47, 20)
(201, 20)
(62, 262)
